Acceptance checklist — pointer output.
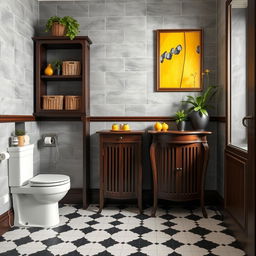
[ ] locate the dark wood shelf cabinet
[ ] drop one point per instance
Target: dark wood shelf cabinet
(46, 50)
(77, 49)
(121, 166)
(179, 162)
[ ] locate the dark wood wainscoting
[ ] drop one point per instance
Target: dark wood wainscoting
(235, 189)
(4, 221)
(74, 196)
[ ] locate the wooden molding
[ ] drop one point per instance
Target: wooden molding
(16, 118)
(145, 118)
(58, 38)
(4, 221)
(30, 118)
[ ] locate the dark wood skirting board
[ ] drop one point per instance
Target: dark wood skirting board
(4, 221)
(145, 118)
(16, 118)
(74, 196)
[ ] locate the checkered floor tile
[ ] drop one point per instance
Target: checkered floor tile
(122, 231)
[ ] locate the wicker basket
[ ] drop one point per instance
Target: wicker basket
(71, 68)
(53, 102)
(72, 102)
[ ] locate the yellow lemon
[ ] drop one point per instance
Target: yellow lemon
(158, 126)
(115, 127)
(49, 70)
(126, 127)
(165, 127)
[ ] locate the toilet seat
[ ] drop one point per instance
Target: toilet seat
(49, 180)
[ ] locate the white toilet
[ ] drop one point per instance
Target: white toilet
(35, 199)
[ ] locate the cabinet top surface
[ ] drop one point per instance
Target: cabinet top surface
(121, 132)
(61, 38)
(181, 132)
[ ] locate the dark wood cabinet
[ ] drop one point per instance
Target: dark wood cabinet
(121, 166)
(179, 162)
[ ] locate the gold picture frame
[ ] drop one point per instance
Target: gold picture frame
(179, 60)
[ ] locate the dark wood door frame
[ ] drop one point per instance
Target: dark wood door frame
(246, 233)
(251, 128)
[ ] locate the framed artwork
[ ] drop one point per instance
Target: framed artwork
(179, 60)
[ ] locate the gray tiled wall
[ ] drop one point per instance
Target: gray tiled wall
(18, 19)
(68, 157)
(122, 76)
(5, 202)
(122, 64)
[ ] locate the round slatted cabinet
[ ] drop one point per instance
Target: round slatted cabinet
(179, 162)
(120, 166)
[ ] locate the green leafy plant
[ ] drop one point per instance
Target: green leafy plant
(51, 21)
(201, 103)
(20, 133)
(57, 64)
(181, 116)
(71, 25)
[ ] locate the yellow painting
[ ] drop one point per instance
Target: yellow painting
(179, 60)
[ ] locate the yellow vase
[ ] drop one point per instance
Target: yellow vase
(49, 70)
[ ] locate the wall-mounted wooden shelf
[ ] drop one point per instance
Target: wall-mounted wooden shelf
(59, 113)
(61, 78)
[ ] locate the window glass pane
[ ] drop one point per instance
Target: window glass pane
(238, 73)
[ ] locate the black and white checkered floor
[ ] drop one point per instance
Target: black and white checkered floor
(122, 231)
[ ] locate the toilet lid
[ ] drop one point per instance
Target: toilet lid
(46, 180)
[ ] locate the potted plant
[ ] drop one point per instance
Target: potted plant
(21, 137)
(181, 117)
(57, 67)
(67, 26)
(198, 112)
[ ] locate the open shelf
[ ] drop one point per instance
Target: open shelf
(61, 78)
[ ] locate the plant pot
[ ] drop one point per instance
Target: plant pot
(181, 126)
(58, 72)
(21, 141)
(58, 29)
(199, 121)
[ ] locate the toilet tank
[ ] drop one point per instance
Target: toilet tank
(20, 165)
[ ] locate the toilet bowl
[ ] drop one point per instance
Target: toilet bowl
(35, 199)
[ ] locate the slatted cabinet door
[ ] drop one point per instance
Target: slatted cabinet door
(179, 171)
(189, 171)
(121, 167)
(112, 169)
(166, 169)
(130, 169)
